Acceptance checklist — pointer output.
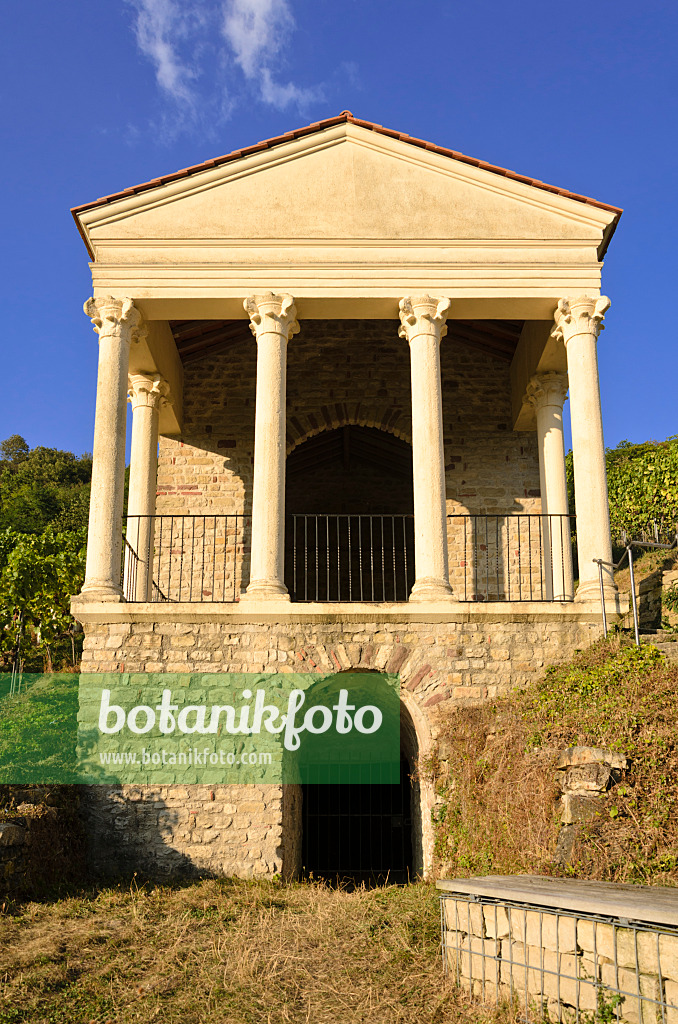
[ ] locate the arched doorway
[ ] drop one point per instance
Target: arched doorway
(359, 833)
(368, 831)
(350, 527)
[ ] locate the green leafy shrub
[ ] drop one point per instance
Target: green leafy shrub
(642, 482)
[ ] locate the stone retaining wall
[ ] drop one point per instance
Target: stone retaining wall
(232, 830)
(562, 963)
(41, 839)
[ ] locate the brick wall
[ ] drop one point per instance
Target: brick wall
(347, 372)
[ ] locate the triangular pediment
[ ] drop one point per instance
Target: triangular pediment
(345, 184)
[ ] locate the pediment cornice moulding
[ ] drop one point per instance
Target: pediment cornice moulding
(203, 180)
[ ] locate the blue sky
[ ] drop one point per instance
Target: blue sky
(98, 96)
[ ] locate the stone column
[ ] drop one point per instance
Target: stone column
(578, 324)
(146, 394)
(273, 322)
(118, 323)
(422, 322)
(547, 393)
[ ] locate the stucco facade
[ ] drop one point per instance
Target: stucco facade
(362, 331)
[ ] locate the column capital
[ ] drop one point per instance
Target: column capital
(272, 314)
(115, 317)
(148, 390)
(423, 315)
(579, 316)
(548, 388)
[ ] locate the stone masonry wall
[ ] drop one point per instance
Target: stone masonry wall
(347, 372)
(254, 830)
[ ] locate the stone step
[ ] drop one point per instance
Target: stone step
(667, 643)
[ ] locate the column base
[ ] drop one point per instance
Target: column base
(589, 590)
(431, 588)
(266, 590)
(99, 592)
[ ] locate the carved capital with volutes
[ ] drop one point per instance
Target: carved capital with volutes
(151, 390)
(272, 314)
(549, 388)
(579, 316)
(116, 318)
(423, 315)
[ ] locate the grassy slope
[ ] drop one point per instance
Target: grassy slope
(496, 775)
(227, 952)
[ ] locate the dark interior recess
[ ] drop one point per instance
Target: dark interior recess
(358, 833)
(196, 338)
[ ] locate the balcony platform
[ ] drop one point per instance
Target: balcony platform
(236, 613)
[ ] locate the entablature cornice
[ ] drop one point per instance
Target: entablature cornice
(370, 290)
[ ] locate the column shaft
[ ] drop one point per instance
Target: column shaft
(146, 395)
(117, 322)
(423, 324)
(547, 392)
(578, 323)
(273, 322)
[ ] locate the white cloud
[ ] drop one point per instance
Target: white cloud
(192, 42)
(257, 31)
(159, 26)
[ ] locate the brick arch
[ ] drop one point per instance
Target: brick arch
(390, 418)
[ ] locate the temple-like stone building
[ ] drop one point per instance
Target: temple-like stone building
(346, 352)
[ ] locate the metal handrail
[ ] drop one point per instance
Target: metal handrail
(628, 553)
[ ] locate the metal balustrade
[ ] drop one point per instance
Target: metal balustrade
(348, 558)
(194, 558)
(521, 557)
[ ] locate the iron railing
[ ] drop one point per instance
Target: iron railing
(522, 557)
(614, 566)
(348, 558)
(194, 558)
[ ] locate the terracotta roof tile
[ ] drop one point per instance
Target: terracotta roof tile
(347, 117)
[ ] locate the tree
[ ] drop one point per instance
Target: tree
(42, 486)
(642, 483)
(14, 449)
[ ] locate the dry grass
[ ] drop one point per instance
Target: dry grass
(232, 952)
(644, 564)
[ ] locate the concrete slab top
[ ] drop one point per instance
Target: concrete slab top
(289, 612)
(647, 903)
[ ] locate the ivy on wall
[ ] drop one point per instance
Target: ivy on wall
(642, 482)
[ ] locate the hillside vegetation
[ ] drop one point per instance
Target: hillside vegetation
(44, 501)
(495, 775)
(642, 485)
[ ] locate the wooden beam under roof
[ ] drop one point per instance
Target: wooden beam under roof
(196, 338)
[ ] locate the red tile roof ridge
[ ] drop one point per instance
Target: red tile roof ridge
(344, 117)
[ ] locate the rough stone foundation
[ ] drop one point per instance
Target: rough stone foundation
(256, 830)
